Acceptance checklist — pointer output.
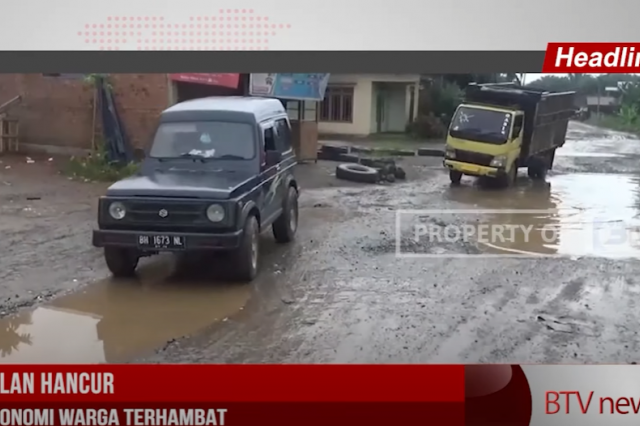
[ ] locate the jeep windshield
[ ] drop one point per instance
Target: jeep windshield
(204, 140)
(481, 125)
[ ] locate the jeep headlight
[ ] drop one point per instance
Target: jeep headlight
(450, 153)
(215, 213)
(499, 161)
(117, 210)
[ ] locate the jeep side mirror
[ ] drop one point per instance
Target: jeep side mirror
(273, 158)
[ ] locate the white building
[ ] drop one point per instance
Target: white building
(362, 104)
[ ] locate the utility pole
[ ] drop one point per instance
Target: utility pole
(598, 104)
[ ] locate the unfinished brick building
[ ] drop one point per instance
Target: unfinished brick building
(56, 112)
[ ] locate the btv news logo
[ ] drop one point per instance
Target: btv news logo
(574, 402)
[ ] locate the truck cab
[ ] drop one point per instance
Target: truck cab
(501, 127)
(484, 141)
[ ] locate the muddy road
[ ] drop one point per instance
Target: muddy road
(340, 294)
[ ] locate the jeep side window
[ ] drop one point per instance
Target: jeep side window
(269, 139)
(283, 140)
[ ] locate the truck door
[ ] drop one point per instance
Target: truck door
(517, 126)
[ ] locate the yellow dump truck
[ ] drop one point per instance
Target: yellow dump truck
(499, 128)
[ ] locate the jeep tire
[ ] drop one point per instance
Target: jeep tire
(121, 262)
(285, 227)
(246, 256)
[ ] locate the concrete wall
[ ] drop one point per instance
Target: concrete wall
(57, 111)
(364, 102)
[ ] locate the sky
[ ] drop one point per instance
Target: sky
(535, 76)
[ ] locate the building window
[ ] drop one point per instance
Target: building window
(337, 105)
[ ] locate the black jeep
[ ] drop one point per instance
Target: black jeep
(219, 172)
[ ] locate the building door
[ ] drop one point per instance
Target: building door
(380, 111)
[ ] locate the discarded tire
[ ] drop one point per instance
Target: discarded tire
(430, 152)
(357, 173)
(335, 149)
(348, 158)
(332, 153)
(377, 161)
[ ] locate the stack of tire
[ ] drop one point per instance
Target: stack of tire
(370, 170)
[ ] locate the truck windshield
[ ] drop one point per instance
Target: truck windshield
(481, 125)
(204, 140)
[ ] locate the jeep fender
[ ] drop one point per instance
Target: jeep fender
(291, 181)
(246, 209)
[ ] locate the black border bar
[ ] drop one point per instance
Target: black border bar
(270, 61)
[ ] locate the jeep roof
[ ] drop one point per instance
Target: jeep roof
(235, 108)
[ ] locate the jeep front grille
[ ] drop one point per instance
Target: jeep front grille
(177, 212)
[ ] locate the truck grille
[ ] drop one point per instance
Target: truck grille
(177, 212)
(473, 157)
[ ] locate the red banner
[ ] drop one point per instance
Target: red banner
(278, 395)
(224, 80)
(592, 58)
(232, 383)
(236, 414)
(235, 395)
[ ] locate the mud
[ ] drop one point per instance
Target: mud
(340, 294)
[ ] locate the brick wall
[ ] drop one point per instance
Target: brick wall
(57, 111)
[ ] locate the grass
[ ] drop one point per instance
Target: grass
(95, 167)
(614, 122)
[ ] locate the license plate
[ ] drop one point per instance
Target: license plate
(160, 242)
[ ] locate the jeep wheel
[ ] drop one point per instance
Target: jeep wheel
(285, 227)
(121, 262)
(246, 256)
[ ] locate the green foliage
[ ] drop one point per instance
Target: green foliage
(96, 167)
(93, 79)
(441, 100)
(427, 126)
(629, 114)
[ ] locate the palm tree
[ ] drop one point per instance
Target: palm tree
(10, 338)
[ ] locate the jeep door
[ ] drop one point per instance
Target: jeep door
(270, 174)
(277, 137)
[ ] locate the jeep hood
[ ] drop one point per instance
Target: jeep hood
(199, 184)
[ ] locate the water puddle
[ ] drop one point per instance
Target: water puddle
(573, 215)
(115, 320)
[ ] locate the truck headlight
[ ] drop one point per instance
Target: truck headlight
(450, 153)
(215, 213)
(117, 210)
(499, 161)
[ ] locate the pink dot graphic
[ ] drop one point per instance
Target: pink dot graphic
(191, 37)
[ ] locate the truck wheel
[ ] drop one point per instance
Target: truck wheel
(512, 175)
(246, 256)
(121, 262)
(537, 169)
(285, 227)
(455, 177)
